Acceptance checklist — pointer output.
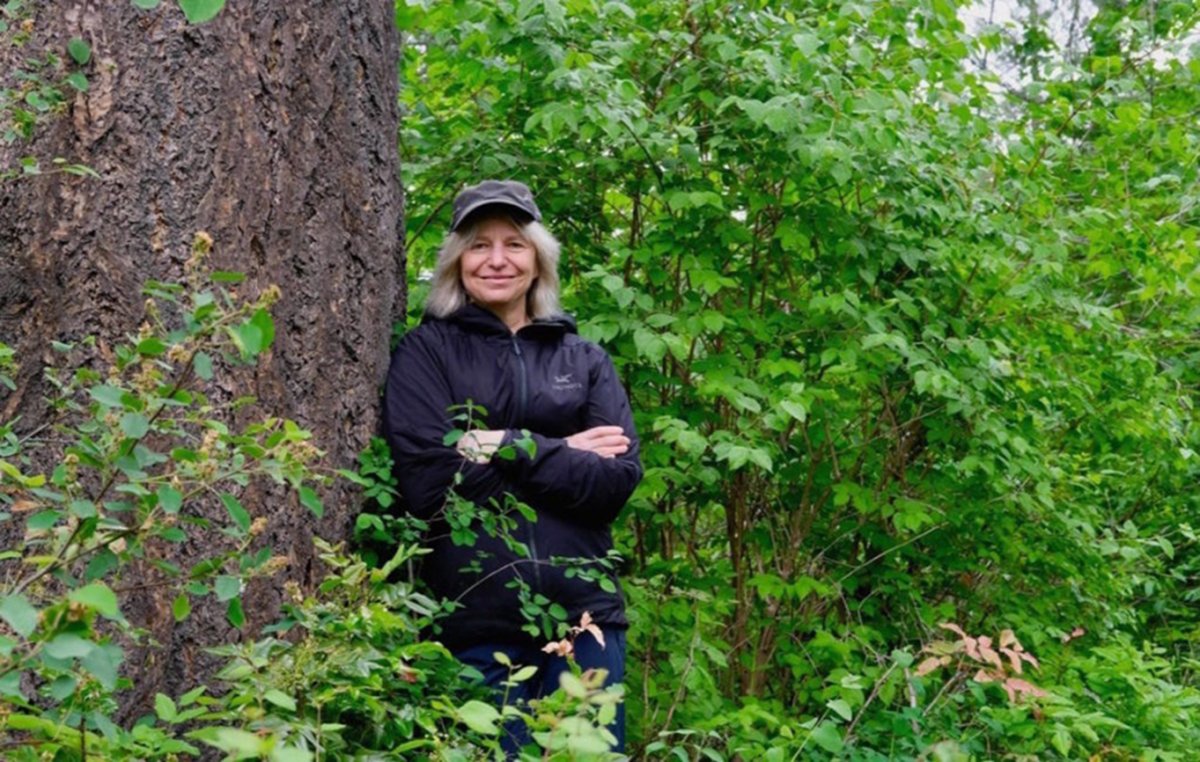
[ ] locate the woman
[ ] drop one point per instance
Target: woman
(494, 336)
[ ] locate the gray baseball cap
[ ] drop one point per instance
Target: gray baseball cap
(508, 193)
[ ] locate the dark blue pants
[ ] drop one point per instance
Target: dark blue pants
(588, 654)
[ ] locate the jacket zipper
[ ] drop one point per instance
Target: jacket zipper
(522, 403)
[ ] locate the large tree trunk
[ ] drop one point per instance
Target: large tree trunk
(273, 128)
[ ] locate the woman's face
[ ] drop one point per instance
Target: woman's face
(499, 266)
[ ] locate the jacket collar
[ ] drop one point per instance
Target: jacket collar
(481, 320)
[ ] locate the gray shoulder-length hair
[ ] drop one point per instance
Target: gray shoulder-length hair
(447, 294)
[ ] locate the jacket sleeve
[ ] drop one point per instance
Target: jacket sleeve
(576, 484)
(417, 416)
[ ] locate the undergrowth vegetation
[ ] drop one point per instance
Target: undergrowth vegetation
(912, 347)
(908, 316)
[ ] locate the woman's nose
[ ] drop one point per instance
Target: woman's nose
(496, 255)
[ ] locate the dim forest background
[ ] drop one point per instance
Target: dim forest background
(904, 294)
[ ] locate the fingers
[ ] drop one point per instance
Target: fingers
(605, 441)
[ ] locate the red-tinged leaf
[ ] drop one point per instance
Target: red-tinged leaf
(1011, 691)
(1022, 687)
(1007, 639)
(1078, 632)
(983, 676)
(991, 657)
(930, 664)
(1031, 659)
(972, 647)
(1014, 658)
(953, 628)
(597, 633)
(558, 648)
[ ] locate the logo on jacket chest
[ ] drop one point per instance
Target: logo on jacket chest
(565, 383)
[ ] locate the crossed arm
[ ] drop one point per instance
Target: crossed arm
(585, 477)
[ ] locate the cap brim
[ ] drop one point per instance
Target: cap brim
(478, 205)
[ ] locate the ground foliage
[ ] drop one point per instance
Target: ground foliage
(910, 344)
(913, 353)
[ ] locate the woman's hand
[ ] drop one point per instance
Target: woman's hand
(605, 441)
(479, 445)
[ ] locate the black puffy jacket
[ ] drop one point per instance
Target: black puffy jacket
(545, 379)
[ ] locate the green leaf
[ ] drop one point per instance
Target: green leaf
(266, 326)
(227, 587)
(98, 596)
(79, 81)
(479, 717)
(19, 614)
(108, 396)
(280, 699)
(200, 11)
(147, 5)
(151, 347)
(165, 708)
(104, 662)
(842, 708)
(43, 520)
(204, 365)
(234, 613)
(310, 500)
(240, 515)
(84, 509)
(68, 646)
(169, 499)
(135, 425)
(239, 744)
(227, 276)
(79, 50)
(794, 409)
(248, 338)
(828, 737)
(181, 607)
